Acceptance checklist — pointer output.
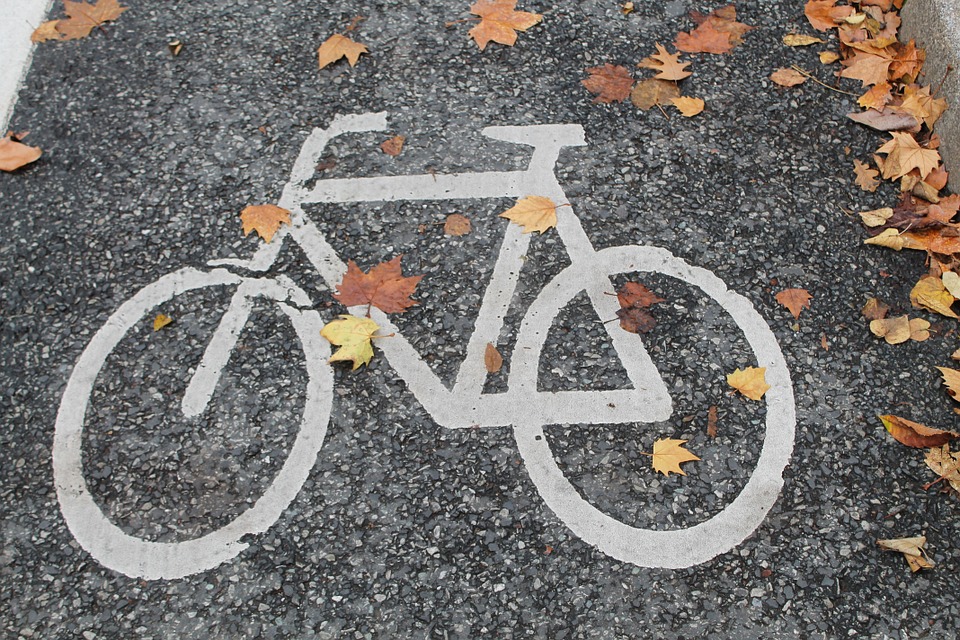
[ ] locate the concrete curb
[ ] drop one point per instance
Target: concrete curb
(935, 24)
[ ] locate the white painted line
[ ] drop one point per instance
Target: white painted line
(20, 18)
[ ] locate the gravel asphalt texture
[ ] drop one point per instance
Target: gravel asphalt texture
(404, 529)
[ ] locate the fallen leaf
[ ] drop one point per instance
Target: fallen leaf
(652, 92)
(339, 46)
(829, 57)
(900, 329)
(798, 40)
(918, 102)
(866, 176)
(669, 454)
(354, 337)
(886, 119)
(634, 294)
(712, 421)
(161, 321)
(929, 293)
(788, 77)
(908, 61)
(384, 287)
(610, 83)
(634, 298)
(796, 300)
(904, 154)
(889, 238)
(82, 18)
(876, 96)
(667, 65)
(704, 39)
(875, 309)
(533, 213)
(750, 382)
(636, 320)
(823, 342)
(876, 217)
(688, 107)
(626, 8)
(912, 550)
(499, 22)
(46, 31)
(14, 154)
(914, 434)
(867, 68)
(265, 219)
(951, 378)
(457, 225)
(945, 464)
(951, 282)
(492, 359)
(824, 14)
(393, 146)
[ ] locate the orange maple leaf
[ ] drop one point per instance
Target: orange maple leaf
(866, 176)
(666, 64)
(908, 61)
(339, 46)
(877, 97)
(904, 154)
(383, 287)
(533, 213)
(265, 219)
(704, 39)
(824, 14)
(82, 18)
(751, 382)
(868, 68)
(393, 146)
(669, 454)
(795, 300)
(610, 83)
(499, 22)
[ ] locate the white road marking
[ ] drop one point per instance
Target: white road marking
(20, 18)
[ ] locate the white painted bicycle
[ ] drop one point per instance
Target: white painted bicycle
(523, 407)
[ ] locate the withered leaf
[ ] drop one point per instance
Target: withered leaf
(829, 57)
(786, 77)
(712, 421)
(265, 219)
(951, 379)
(875, 309)
(46, 31)
(354, 337)
(634, 294)
(634, 298)
(798, 40)
(14, 154)
(876, 217)
(824, 14)
(393, 146)
(867, 68)
(82, 18)
(751, 382)
(688, 106)
(610, 83)
(384, 287)
(160, 321)
(499, 22)
(339, 46)
(914, 434)
(652, 92)
(945, 464)
(866, 176)
(912, 550)
(492, 359)
(929, 293)
(457, 225)
(900, 329)
(533, 213)
(636, 319)
(796, 300)
(669, 454)
(666, 64)
(904, 154)
(886, 119)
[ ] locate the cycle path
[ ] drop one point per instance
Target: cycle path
(403, 527)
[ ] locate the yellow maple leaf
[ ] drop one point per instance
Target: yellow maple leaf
(688, 107)
(84, 18)
(265, 219)
(533, 213)
(668, 454)
(499, 22)
(904, 154)
(751, 382)
(354, 337)
(339, 46)
(46, 31)
(930, 293)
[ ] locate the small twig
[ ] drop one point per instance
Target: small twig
(453, 23)
(820, 82)
(354, 23)
(930, 484)
(943, 80)
(663, 111)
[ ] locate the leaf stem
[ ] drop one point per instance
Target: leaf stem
(820, 82)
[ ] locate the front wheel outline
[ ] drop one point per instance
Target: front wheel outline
(133, 556)
(676, 548)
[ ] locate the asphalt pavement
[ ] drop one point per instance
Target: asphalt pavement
(125, 516)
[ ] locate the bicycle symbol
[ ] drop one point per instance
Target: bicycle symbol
(465, 405)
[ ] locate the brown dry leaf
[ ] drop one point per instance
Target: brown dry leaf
(533, 213)
(688, 107)
(704, 39)
(905, 154)
(611, 83)
(797, 40)
(876, 97)
(669, 454)
(900, 329)
(829, 57)
(918, 102)
(824, 14)
(492, 359)
(499, 22)
(912, 550)
(951, 378)
(891, 239)
(929, 293)
(339, 46)
(82, 18)
(161, 321)
(916, 435)
(14, 154)
(634, 298)
(383, 287)
(457, 225)
(796, 300)
(393, 146)
(46, 31)
(653, 92)
(866, 176)
(265, 219)
(712, 421)
(908, 62)
(634, 294)
(886, 119)
(788, 77)
(945, 464)
(867, 68)
(667, 65)
(751, 382)
(876, 217)
(626, 8)
(875, 309)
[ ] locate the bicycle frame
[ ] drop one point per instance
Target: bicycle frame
(464, 405)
